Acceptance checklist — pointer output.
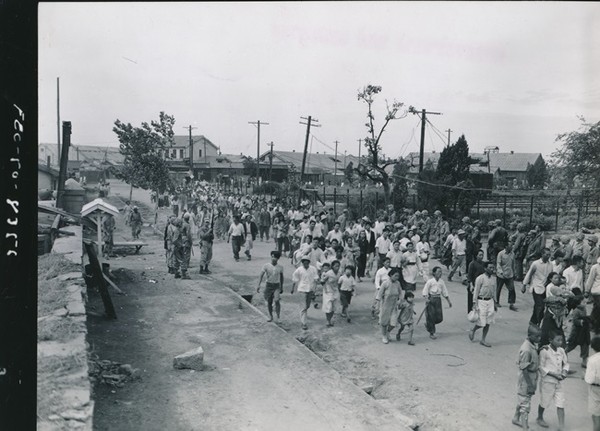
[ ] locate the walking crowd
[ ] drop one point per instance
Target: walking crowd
(331, 254)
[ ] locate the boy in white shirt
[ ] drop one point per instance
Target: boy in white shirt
(274, 288)
(347, 285)
(554, 367)
(380, 276)
(304, 281)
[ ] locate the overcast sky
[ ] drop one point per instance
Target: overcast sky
(512, 75)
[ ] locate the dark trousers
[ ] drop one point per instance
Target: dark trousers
(538, 308)
(510, 285)
(469, 300)
(518, 269)
(264, 230)
(362, 264)
(236, 245)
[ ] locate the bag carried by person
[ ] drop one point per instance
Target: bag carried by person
(473, 316)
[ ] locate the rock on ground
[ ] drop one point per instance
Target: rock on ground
(192, 360)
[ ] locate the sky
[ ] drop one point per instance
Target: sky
(511, 75)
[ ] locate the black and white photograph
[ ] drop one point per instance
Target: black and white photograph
(310, 216)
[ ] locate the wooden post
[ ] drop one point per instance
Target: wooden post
(361, 203)
(478, 203)
(348, 200)
(579, 208)
(531, 214)
(99, 277)
(99, 223)
(504, 213)
(556, 217)
(335, 200)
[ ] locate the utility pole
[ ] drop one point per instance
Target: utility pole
(64, 159)
(335, 161)
(271, 162)
(359, 146)
(58, 155)
(423, 120)
(258, 123)
(449, 131)
(191, 149)
(309, 122)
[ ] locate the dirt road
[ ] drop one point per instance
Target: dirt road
(447, 384)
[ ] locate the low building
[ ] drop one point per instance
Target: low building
(47, 177)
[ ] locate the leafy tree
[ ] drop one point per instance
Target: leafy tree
(375, 167)
(466, 198)
(537, 174)
(579, 154)
(400, 190)
(349, 172)
(452, 170)
(429, 193)
(249, 166)
(144, 165)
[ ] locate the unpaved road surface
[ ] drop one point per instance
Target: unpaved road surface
(446, 384)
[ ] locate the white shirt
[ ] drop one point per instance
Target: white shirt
(335, 235)
(236, 229)
(435, 287)
(403, 243)
(537, 275)
(592, 284)
(573, 278)
(381, 275)
(305, 279)
(592, 372)
(553, 361)
(378, 228)
(395, 258)
(411, 266)
(459, 247)
(382, 245)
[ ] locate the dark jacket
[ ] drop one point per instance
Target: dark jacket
(253, 230)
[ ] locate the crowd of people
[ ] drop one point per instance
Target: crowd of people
(330, 254)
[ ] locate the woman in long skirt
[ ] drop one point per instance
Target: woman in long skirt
(433, 291)
(391, 293)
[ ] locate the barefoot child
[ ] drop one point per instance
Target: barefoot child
(433, 291)
(554, 368)
(304, 281)
(528, 363)
(331, 292)
(406, 314)
(274, 288)
(347, 285)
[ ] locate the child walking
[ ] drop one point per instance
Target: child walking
(406, 316)
(331, 292)
(433, 291)
(528, 363)
(274, 273)
(592, 378)
(347, 285)
(554, 368)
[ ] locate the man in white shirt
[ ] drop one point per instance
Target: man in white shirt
(574, 274)
(459, 251)
(335, 233)
(382, 246)
(536, 280)
(304, 280)
(236, 234)
(395, 255)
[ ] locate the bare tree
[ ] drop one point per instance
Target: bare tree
(374, 169)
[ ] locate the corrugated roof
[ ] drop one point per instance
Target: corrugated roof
(315, 163)
(92, 152)
(48, 170)
(515, 162)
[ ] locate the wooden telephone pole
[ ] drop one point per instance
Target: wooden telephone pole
(423, 120)
(257, 124)
(310, 121)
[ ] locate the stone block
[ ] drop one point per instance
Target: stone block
(192, 360)
(70, 276)
(76, 308)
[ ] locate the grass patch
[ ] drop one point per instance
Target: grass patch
(52, 295)
(59, 329)
(52, 264)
